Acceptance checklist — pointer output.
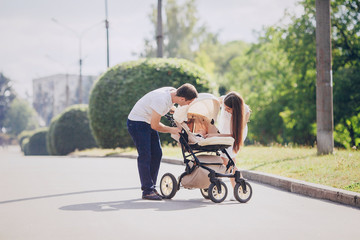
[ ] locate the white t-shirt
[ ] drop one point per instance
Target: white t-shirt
(224, 127)
(158, 100)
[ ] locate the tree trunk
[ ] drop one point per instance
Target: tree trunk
(324, 88)
(159, 32)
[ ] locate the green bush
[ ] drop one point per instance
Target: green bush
(117, 90)
(70, 131)
(37, 143)
(24, 135)
(25, 146)
(50, 146)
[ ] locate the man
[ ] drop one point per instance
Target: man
(144, 124)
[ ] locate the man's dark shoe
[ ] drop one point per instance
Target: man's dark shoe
(157, 193)
(152, 196)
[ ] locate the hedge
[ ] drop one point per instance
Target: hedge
(50, 138)
(117, 90)
(25, 146)
(70, 131)
(36, 145)
(26, 134)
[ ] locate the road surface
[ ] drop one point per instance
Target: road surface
(50, 198)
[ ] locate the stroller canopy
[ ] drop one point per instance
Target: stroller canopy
(206, 105)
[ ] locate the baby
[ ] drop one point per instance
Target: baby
(198, 124)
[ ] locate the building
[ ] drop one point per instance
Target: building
(52, 94)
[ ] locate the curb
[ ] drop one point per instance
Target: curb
(288, 184)
(305, 188)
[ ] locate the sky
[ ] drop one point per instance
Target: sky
(39, 38)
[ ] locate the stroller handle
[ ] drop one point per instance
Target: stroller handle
(170, 117)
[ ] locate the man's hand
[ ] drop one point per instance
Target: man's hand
(172, 110)
(158, 126)
(175, 131)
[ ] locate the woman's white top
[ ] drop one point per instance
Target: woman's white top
(224, 126)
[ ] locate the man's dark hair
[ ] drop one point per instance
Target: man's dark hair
(187, 91)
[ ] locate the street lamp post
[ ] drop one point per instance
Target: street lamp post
(79, 36)
(107, 34)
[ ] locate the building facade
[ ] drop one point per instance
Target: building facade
(52, 94)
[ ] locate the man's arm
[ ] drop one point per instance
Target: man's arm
(158, 126)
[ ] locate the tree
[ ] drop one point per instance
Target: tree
(299, 43)
(324, 86)
(159, 30)
(264, 77)
(7, 94)
(20, 116)
(182, 33)
(345, 33)
(347, 107)
(216, 58)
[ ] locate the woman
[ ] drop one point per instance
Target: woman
(233, 120)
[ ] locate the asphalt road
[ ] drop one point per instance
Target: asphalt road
(49, 198)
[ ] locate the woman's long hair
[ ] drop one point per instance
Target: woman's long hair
(236, 102)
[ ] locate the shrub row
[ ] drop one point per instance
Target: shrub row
(33, 142)
(68, 131)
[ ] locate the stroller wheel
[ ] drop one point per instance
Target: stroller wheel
(215, 195)
(168, 185)
(205, 193)
(242, 195)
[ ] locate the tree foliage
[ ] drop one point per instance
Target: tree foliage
(7, 94)
(277, 77)
(300, 42)
(277, 74)
(264, 78)
(20, 116)
(182, 31)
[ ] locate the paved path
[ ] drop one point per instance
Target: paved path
(49, 198)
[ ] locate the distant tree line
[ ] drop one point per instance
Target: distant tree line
(277, 74)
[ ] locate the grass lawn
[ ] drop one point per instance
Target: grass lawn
(340, 170)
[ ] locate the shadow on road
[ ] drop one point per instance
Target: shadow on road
(67, 194)
(165, 205)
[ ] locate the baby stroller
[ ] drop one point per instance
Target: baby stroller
(204, 166)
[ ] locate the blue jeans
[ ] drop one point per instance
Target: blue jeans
(147, 143)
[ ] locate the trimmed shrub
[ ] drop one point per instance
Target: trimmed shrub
(70, 131)
(37, 143)
(117, 90)
(24, 135)
(50, 146)
(25, 146)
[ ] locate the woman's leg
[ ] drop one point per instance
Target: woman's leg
(232, 169)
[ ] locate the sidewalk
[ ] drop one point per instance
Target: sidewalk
(288, 184)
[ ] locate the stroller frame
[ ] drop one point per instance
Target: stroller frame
(217, 190)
